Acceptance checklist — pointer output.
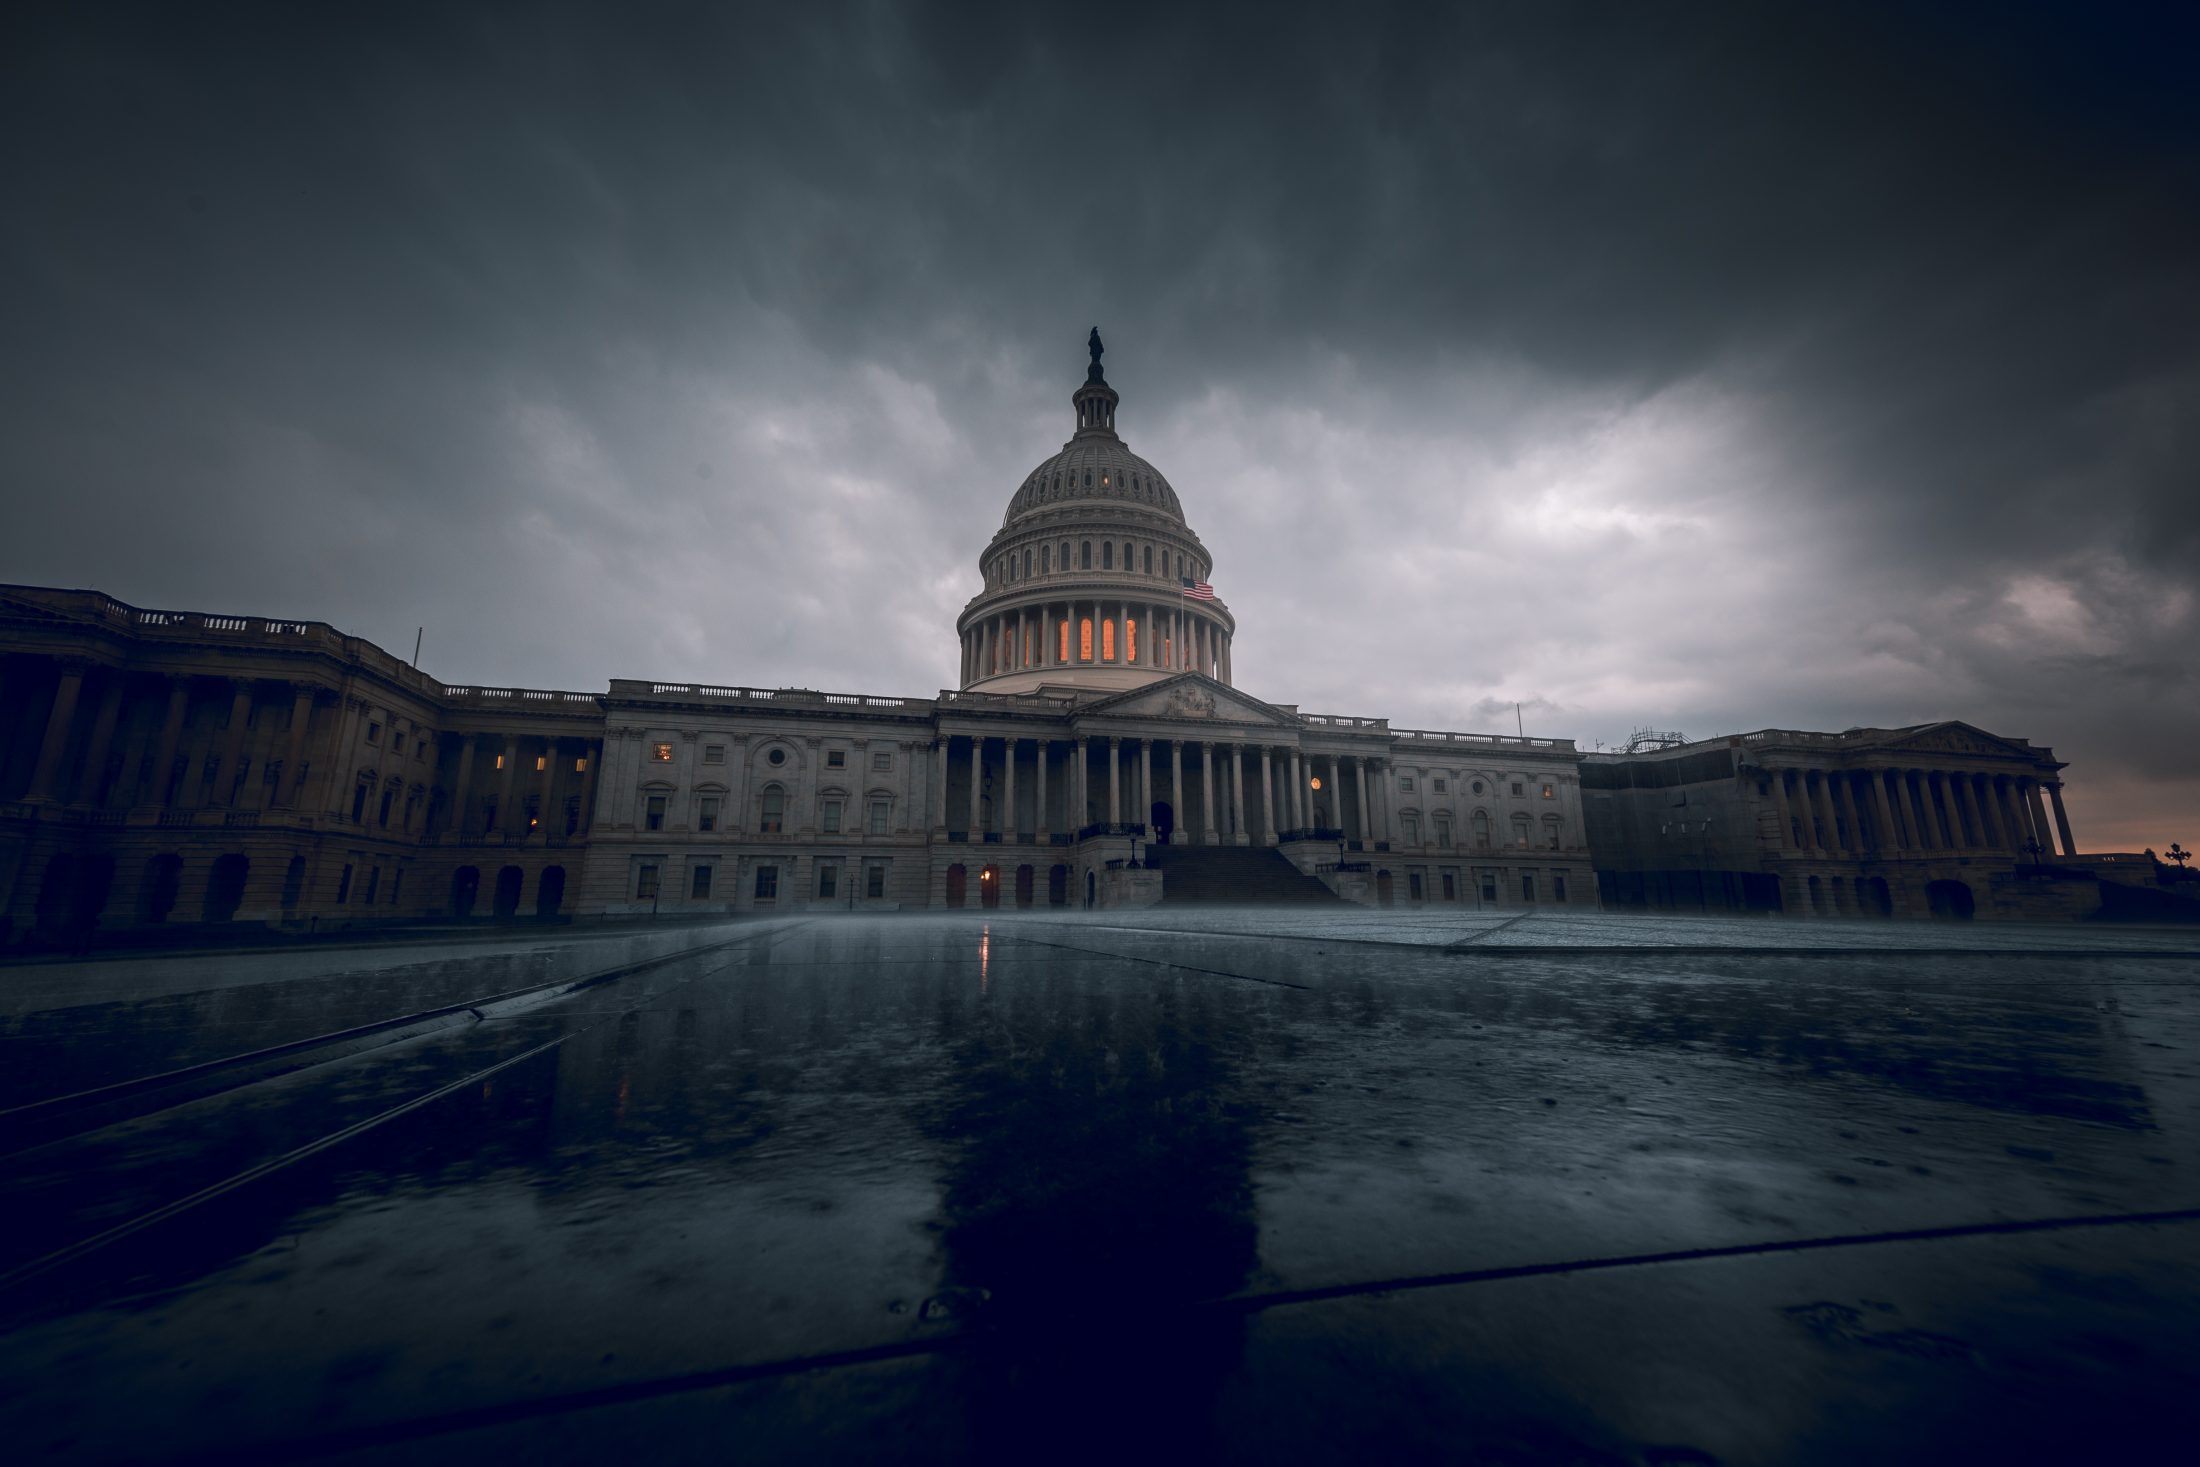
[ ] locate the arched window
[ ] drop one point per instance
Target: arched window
(1084, 560)
(1149, 560)
(1180, 565)
(1130, 639)
(1127, 550)
(1084, 639)
(1063, 656)
(1107, 640)
(1550, 835)
(1481, 827)
(1412, 824)
(1027, 565)
(1520, 831)
(775, 810)
(1046, 560)
(1107, 556)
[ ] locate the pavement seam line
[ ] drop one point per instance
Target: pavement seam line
(1154, 962)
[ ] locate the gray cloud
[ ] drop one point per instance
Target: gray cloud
(1707, 369)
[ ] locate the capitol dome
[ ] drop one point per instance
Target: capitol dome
(1094, 579)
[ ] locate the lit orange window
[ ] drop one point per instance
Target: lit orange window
(542, 762)
(500, 761)
(1168, 650)
(1130, 639)
(1084, 639)
(1107, 640)
(580, 765)
(1064, 656)
(662, 753)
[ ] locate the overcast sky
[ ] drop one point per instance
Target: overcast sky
(1644, 364)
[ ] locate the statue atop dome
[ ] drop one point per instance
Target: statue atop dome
(1092, 344)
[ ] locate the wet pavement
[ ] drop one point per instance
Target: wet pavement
(1235, 1185)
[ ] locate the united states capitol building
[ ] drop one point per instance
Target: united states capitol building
(174, 767)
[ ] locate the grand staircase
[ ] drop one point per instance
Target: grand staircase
(1232, 874)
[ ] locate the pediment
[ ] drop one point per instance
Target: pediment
(1189, 697)
(1955, 737)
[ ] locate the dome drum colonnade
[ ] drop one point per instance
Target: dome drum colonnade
(1088, 579)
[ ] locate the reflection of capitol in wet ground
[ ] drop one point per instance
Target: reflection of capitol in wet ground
(1297, 1188)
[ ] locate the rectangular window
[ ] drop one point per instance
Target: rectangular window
(1064, 657)
(1558, 888)
(836, 758)
(343, 885)
(1084, 639)
(828, 879)
(653, 817)
(1443, 833)
(832, 817)
(374, 883)
(708, 818)
(1489, 887)
(881, 812)
(1550, 792)
(580, 765)
(397, 884)
(645, 882)
(397, 743)
(1107, 640)
(1518, 791)
(374, 733)
(874, 880)
(714, 753)
(661, 753)
(1527, 888)
(699, 883)
(1451, 887)
(1413, 885)
(500, 761)
(1130, 639)
(542, 762)
(1439, 786)
(1405, 783)
(767, 883)
(882, 762)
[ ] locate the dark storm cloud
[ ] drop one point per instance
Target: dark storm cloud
(1702, 367)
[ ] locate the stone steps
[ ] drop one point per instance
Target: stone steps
(1234, 875)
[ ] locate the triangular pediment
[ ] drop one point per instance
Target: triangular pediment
(1189, 698)
(1956, 737)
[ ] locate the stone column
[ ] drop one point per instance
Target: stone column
(1267, 800)
(240, 715)
(93, 775)
(1906, 801)
(463, 786)
(1359, 785)
(1010, 825)
(1824, 804)
(1240, 835)
(1982, 811)
(1336, 789)
(737, 817)
(1208, 835)
(976, 827)
(1115, 781)
(1845, 792)
(939, 783)
(2012, 824)
(164, 750)
(294, 753)
(1293, 778)
(1890, 834)
(2062, 820)
(1787, 811)
(1145, 779)
(547, 789)
(1039, 815)
(1176, 790)
(56, 740)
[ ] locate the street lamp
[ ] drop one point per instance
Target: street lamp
(2033, 848)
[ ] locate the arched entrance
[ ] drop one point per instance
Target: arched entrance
(225, 886)
(465, 887)
(1092, 890)
(1383, 895)
(509, 881)
(958, 885)
(1877, 898)
(550, 891)
(1023, 886)
(1058, 886)
(1950, 899)
(989, 887)
(294, 883)
(1164, 821)
(157, 892)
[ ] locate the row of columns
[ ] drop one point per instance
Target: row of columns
(233, 748)
(1171, 638)
(549, 784)
(1917, 811)
(1224, 772)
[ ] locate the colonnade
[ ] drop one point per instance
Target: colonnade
(1220, 791)
(1890, 812)
(1102, 632)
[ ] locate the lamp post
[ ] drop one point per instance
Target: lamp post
(2033, 848)
(2178, 855)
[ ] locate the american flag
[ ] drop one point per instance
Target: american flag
(1198, 590)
